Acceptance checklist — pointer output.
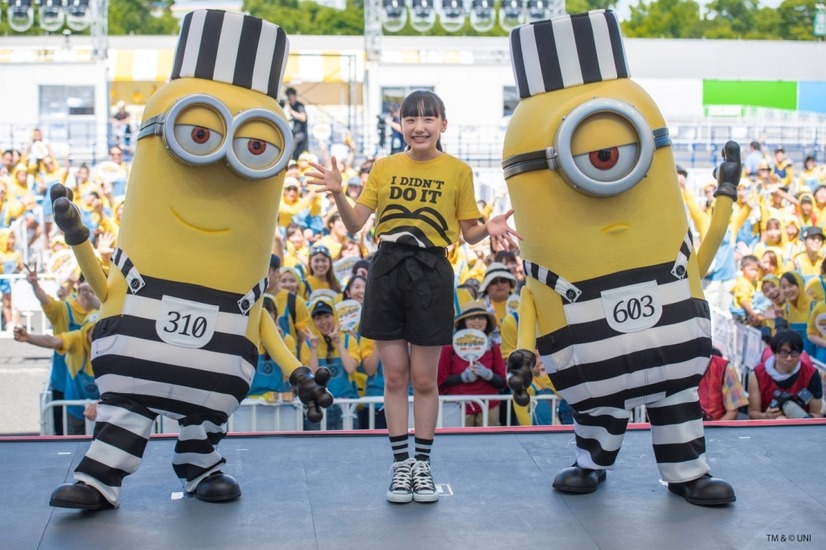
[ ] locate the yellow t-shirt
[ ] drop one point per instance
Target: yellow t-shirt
(420, 202)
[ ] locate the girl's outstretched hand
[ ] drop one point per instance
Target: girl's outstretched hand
(500, 232)
(329, 178)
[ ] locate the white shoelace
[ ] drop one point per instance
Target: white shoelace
(401, 476)
(422, 478)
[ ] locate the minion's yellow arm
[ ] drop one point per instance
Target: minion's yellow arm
(526, 338)
(275, 346)
(91, 269)
(716, 230)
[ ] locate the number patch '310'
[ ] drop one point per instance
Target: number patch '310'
(185, 323)
(632, 308)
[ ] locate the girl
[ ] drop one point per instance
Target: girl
(422, 198)
(798, 307)
(771, 239)
(792, 245)
(296, 252)
(325, 345)
(485, 376)
(769, 264)
(321, 271)
(370, 366)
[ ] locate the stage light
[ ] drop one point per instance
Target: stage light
(21, 15)
(511, 14)
(452, 15)
(538, 10)
(50, 14)
(422, 15)
(393, 15)
(482, 15)
(78, 15)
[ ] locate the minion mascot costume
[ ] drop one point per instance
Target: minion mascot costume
(180, 322)
(613, 301)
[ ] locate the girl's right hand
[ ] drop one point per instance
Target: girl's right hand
(329, 178)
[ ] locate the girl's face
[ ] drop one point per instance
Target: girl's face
(767, 264)
(297, 238)
(791, 231)
(477, 322)
(771, 291)
(422, 133)
(338, 228)
(773, 233)
(324, 322)
(357, 290)
(806, 208)
(288, 282)
(789, 291)
(319, 265)
(350, 248)
(820, 196)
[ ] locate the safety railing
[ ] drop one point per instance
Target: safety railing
(258, 415)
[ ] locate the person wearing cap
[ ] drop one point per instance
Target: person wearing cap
(321, 273)
(496, 288)
(326, 345)
(485, 376)
(783, 170)
(808, 262)
(292, 202)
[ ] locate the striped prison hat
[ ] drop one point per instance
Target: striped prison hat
(233, 48)
(567, 51)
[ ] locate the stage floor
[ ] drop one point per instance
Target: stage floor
(327, 492)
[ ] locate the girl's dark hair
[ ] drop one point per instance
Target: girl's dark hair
(790, 337)
(790, 278)
(350, 283)
(423, 103)
(269, 306)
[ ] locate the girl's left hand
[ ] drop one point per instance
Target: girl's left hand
(500, 232)
(329, 178)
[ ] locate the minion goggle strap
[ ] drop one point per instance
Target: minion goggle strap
(601, 173)
(249, 157)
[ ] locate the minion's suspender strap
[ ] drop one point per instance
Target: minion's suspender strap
(679, 269)
(133, 279)
(562, 287)
(247, 301)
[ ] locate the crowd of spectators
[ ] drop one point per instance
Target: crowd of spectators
(769, 271)
(768, 274)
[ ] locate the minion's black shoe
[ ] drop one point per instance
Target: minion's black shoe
(704, 491)
(578, 480)
(218, 487)
(79, 495)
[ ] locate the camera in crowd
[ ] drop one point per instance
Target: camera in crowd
(793, 406)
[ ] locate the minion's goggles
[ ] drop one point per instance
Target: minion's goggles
(601, 173)
(249, 157)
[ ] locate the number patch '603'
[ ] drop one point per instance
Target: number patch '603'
(185, 323)
(632, 308)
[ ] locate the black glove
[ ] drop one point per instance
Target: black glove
(520, 375)
(312, 390)
(67, 216)
(728, 173)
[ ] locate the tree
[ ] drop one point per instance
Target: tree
(664, 19)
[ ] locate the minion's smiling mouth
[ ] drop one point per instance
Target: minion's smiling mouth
(616, 228)
(197, 228)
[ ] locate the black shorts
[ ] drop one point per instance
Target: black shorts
(409, 296)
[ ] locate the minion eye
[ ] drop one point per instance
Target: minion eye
(197, 140)
(608, 164)
(255, 153)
